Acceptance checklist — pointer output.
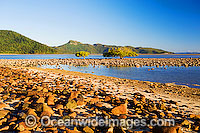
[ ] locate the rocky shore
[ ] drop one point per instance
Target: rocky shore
(127, 62)
(63, 94)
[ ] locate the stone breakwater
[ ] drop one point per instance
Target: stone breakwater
(133, 62)
(68, 95)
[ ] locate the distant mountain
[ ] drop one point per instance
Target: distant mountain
(15, 43)
(75, 46)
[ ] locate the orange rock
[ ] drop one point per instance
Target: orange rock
(22, 127)
(46, 108)
(98, 104)
(27, 99)
(74, 94)
(81, 102)
(59, 106)
(45, 113)
(135, 101)
(2, 105)
(94, 100)
(81, 87)
(107, 98)
(122, 117)
(122, 109)
(40, 100)
(50, 100)
(73, 115)
(4, 128)
(143, 99)
(31, 112)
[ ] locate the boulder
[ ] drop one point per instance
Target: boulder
(121, 109)
(88, 130)
(71, 104)
(3, 113)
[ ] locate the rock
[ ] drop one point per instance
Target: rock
(81, 102)
(39, 107)
(4, 128)
(50, 100)
(122, 117)
(122, 109)
(186, 123)
(59, 106)
(98, 104)
(22, 127)
(71, 104)
(45, 113)
(2, 105)
(12, 120)
(3, 113)
(31, 112)
(73, 115)
(45, 90)
(107, 98)
(46, 108)
(94, 100)
(81, 87)
(192, 115)
(73, 131)
(196, 127)
(3, 120)
(110, 130)
(169, 84)
(88, 130)
(40, 100)
(135, 102)
(143, 99)
(74, 94)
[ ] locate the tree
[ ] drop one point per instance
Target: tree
(82, 54)
(121, 52)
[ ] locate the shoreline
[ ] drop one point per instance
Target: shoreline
(127, 62)
(93, 54)
(191, 94)
(131, 81)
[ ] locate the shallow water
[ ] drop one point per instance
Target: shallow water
(178, 75)
(63, 56)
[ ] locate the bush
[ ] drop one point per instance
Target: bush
(82, 54)
(121, 52)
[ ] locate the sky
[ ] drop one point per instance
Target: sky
(172, 25)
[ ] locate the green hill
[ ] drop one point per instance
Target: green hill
(75, 46)
(15, 43)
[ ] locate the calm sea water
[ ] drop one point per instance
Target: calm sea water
(179, 75)
(63, 56)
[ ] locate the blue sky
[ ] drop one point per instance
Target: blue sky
(172, 25)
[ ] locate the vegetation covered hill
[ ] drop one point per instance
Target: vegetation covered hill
(15, 43)
(75, 46)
